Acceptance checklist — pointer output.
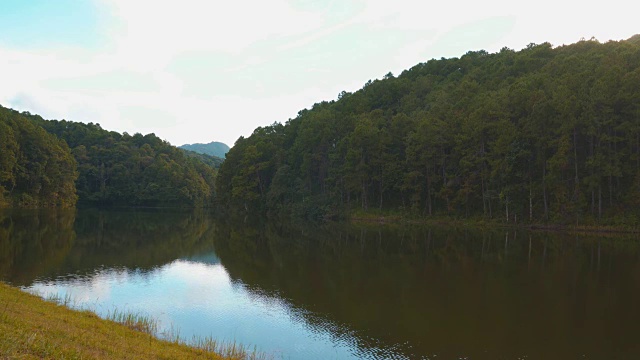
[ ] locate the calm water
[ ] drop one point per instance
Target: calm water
(338, 291)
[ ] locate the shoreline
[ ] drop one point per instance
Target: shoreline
(34, 327)
(488, 224)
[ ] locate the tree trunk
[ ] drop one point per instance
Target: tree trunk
(506, 242)
(490, 210)
(575, 160)
(381, 187)
(103, 182)
(260, 184)
(529, 259)
(429, 193)
(506, 204)
(544, 190)
(610, 190)
(466, 204)
(365, 206)
(610, 177)
(593, 191)
(530, 203)
(599, 202)
(484, 200)
(484, 189)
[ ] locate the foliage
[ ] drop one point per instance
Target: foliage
(212, 161)
(140, 170)
(36, 168)
(542, 134)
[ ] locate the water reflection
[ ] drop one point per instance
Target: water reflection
(33, 241)
(449, 293)
(190, 298)
(365, 291)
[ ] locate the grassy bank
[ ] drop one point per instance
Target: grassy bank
(32, 328)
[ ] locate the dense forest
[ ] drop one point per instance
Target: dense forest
(139, 170)
(112, 169)
(210, 160)
(544, 134)
(36, 168)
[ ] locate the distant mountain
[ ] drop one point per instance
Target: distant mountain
(213, 148)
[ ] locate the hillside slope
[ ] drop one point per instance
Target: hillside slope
(132, 170)
(541, 134)
(36, 168)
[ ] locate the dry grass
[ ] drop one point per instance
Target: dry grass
(32, 328)
(134, 321)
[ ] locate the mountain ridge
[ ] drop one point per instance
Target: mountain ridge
(214, 148)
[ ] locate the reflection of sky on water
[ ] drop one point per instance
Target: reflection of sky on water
(200, 299)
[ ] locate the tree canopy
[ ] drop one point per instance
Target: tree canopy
(132, 170)
(45, 162)
(36, 168)
(541, 134)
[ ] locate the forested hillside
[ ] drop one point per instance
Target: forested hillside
(210, 160)
(124, 170)
(36, 168)
(541, 134)
(213, 148)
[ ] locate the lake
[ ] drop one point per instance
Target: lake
(339, 291)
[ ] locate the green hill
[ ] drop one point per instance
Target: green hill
(210, 160)
(213, 148)
(36, 168)
(539, 135)
(131, 170)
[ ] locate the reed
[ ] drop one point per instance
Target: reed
(133, 320)
(228, 349)
(65, 300)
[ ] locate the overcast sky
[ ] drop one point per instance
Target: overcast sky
(204, 70)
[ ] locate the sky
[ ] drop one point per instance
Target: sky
(196, 71)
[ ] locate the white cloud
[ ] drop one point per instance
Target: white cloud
(197, 71)
(162, 29)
